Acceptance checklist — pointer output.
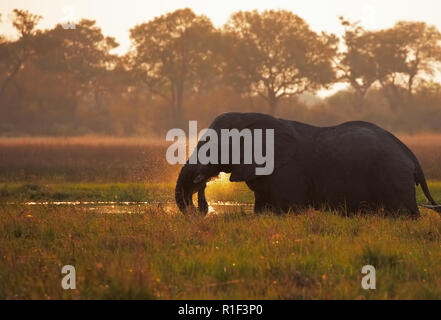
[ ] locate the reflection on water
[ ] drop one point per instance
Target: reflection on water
(130, 207)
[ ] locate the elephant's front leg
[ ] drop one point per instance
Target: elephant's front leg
(261, 199)
(202, 201)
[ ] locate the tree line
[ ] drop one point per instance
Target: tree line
(67, 81)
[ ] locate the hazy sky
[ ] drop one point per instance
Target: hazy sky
(117, 17)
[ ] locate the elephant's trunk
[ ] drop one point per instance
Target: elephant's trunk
(202, 202)
(183, 192)
(185, 188)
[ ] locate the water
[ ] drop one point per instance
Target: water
(129, 207)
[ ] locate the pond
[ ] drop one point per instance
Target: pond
(128, 207)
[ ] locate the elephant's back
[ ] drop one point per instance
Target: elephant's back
(365, 140)
(359, 162)
(348, 141)
(361, 141)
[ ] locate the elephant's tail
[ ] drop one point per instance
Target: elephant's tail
(420, 179)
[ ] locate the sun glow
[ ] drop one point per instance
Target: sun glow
(222, 178)
(216, 186)
(117, 17)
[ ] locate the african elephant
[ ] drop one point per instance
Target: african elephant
(353, 167)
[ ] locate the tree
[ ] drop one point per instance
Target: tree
(358, 62)
(396, 57)
(275, 54)
(173, 54)
(77, 65)
(406, 52)
(85, 55)
(65, 82)
(13, 55)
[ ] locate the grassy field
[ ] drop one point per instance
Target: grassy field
(156, 253)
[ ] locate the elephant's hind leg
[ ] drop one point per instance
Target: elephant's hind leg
(402, 200)
(260, 203)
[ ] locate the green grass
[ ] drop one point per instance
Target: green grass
(142, 192)
(85, 192)
(150, 192)
(153, 254)
(435, 191)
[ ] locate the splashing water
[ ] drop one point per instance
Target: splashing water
(130, 207)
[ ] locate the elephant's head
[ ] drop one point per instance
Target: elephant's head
(193, 177)
(190, 181)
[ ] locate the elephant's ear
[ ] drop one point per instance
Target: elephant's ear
(285, 137)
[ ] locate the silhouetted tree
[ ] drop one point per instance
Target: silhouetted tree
(13, 55)
(78, 63)
(406, 52)
(173, 54)
(59, 81)
(275, 54)
(359, 63)
(394, 57)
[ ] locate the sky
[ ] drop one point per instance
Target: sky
(116, 18)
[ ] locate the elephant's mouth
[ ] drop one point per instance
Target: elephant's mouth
(186, 186)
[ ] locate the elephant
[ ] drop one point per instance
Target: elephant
(351, 167)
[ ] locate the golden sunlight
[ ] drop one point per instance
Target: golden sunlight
(117, 17)
(222, 178)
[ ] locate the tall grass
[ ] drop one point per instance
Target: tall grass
(153, 254)
(104, 159)
(79, 160)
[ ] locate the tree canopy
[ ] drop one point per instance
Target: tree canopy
(180, 67)
(396, 58)
(275, 54)
(173, 54)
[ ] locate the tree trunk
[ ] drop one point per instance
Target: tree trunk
(177, 103)
(9, 79)
(272, 102)
(410, 87)
(392, 95)
(359, 104)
